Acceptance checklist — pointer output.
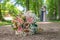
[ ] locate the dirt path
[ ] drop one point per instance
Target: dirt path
(50, 33)
(49, 26)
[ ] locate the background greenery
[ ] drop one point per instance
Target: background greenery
(53, 8)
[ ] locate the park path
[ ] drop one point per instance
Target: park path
(51, 31)
(49, 26)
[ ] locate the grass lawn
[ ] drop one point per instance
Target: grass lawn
(54, 20)
(4, 23)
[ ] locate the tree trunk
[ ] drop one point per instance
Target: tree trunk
(58, 8)
(27, 5)
(1, 17)
(55, 11)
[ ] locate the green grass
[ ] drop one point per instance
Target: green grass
(4, 23)
(54, 20)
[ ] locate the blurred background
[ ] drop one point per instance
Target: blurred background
(11, 8)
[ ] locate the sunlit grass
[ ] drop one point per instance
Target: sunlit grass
(4, 23)
(54, 20)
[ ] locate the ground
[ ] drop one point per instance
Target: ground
(51, 31)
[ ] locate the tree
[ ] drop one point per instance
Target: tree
(58, 4)
(34, 5)
(2, 8)
(1, 17)
(7, 6)
(52, 9)
(27, 5)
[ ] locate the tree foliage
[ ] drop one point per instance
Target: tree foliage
(58, 4)
(34, 5)
(52, 9)
(7, 7)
